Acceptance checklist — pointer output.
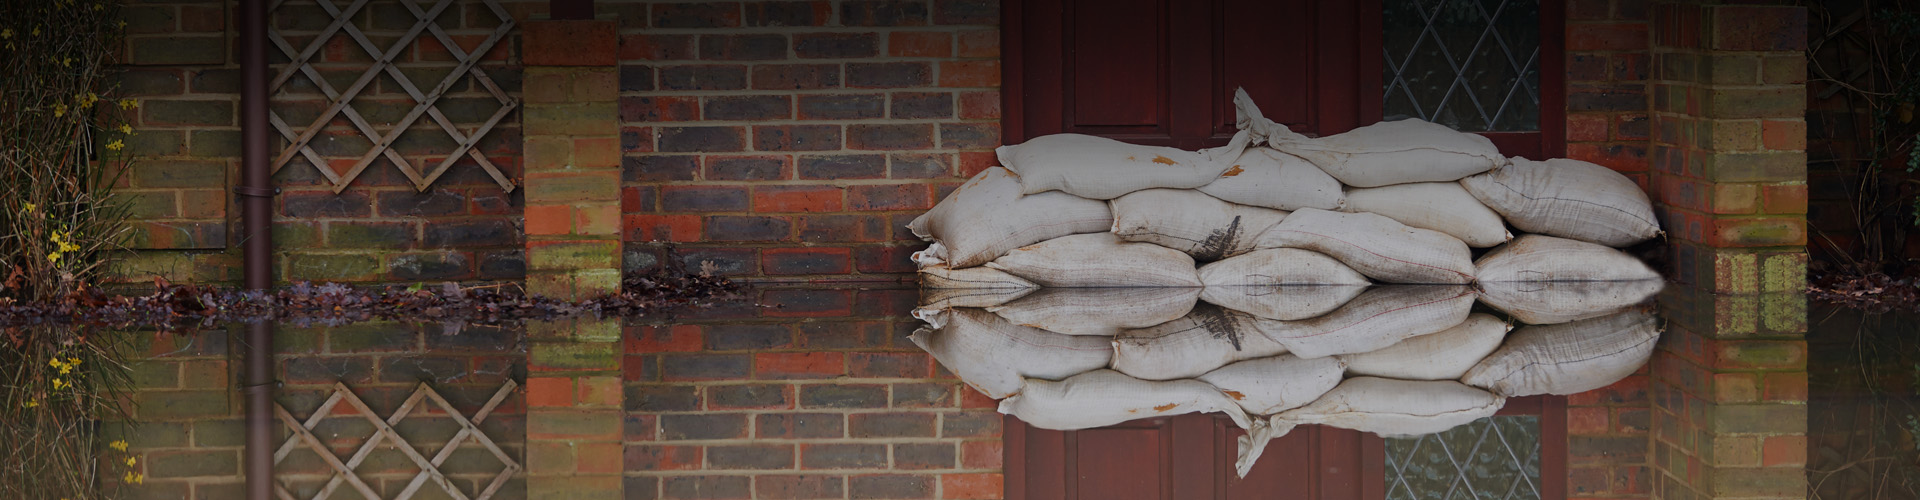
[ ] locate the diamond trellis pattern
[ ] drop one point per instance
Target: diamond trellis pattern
(1473, 65)
(1494, 458)
(342, 101)
(301, 434)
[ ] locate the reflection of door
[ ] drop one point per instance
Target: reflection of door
(1162, 72)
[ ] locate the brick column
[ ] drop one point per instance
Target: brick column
(574, 404)
(572, 153)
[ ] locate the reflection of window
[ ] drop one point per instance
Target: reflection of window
(1492, 458)
(1473, 65)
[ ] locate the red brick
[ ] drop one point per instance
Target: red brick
(981, 455)
(1619, 157)
(1783, 451)
(1773, 28)
(1758, 232)
(678, 338)
(656, 47)
(970, 73)
(676, 228)
(890, 136)
(886, 259)
(638, 368)
(659, 109)
(1588, 420)
(1785, 387)
(972, 486)
(647, 457)
(778, 199)
(1784, 198)
(1784, 135)
(889, 197)
(979, 43)
(696, 15)
(549, 219)
(974, 162)
(799, 365)
(569, 43)
(919, 44)
(1608, 36)
(1586, 127)
(795, 261)
(639, 199)
(974, 399)
(1582, 480)
(549, 392)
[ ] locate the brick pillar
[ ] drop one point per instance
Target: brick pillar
(574, 417)
(570, 126)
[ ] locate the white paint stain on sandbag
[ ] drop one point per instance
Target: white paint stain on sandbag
(1264, 177)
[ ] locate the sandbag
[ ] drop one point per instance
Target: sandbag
(1203, 340)
(1104, 169)
(942, 287)
(1396, 152)
(1098, 311)
(1553, 302)
(1441, 206)
(1264, 177)
(1376, 246)
(1279, 266)
(1568, 358)
(1286, 303)
(1376, 319)
(1545, 258)
(988, 216)
(1436, 356)
(948, 298)
(1273, 384)
(1105, 397)
(1190, 221)
(995, 357)
(1381, 406)
(1099, 260)
(1568, 198)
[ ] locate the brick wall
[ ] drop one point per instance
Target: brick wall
(822, 397)
(795, 138)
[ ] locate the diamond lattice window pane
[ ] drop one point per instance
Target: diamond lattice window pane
(1472, 65)
(1494, 458)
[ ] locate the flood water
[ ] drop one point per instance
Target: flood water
(1136, 393)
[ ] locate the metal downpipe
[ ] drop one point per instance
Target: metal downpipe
(256, 209)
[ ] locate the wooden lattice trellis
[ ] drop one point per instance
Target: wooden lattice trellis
(424, 103)
(343, 472)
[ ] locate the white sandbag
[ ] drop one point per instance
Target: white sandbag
(1103, 169)
(1568, 198)
(1553, 302)
(1286, 303)
(1376, 246)
(1396, 152)
(1436, 356)
(1381, 406)
(1381, 317)
(1203, 340)
(1105, 397)
(1568, 358)
(1098, 311)
(988, 216)
(948, 298)
(1099, 260)
(995, 357)
(1190, 221)
(1535, 257)
(1270, 385)
(1441, 206)
(1264, 177)
(1280, 266)
(942, 288)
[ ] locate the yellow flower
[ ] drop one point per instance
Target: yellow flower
(119, 445)
(126, 129)
(6, 33)
(73, 361)
(36, 31)
(30, 207)
(129, 103)
(32, 403)
(53, 257)
(115, 145)
(131, 460)
(60, 384)
(59, 110)
(122, 24)
(135, 478)
(54, 362)
(67, 62)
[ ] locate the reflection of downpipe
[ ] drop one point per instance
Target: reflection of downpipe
(256, 209)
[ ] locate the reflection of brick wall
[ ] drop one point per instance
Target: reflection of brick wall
(1607, 71)
(795, 138)
(822, 398)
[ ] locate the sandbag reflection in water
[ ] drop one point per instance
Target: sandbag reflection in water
(1373, 364)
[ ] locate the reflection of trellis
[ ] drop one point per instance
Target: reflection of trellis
(1496, 457)
(384, 432)
(383, 63)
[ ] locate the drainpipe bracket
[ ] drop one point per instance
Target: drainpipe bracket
(255, 192)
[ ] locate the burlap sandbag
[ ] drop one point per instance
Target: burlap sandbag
(942, 288)
(1105, 397)
(1441, 206)
(1381, 406)
(1203, 340)
(1568, 358)
(1098, 311)
(1396, 152)
(1273, 384)
(987, 217)
(1535, 257)
(1264, 177)
(1285, 303)
(994, 356)
(1104, 169)
(1280, 266)
(1446, 355)
(1190, 221)
(1568, 198)
(1099, 260)
(1376, 319)
(1376, 246)
(1553, 302)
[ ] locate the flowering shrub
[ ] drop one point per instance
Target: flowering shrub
(56, 386)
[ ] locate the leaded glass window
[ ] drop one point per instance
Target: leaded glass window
(1494, 458)
(1473, 65)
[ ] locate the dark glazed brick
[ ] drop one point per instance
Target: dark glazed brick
(640, 487)
(836, 45)
(913, 105)
(726, 261)
(703, 77)
(743, 47)
(799, 486)
(843, 396)
(883, 13)
(924, 456)
(327, 369)
(799, 426)
(977, 12)
(752, 396)
(747, 228)
(842, 107)
(806, 261)
(923, 395)
(918, 165)
(890, 486)
(417, 204)
(659, 109)
(809, 13)
(703, 198)
(655, 398)
(749, 107)
(796, 76)
(751, 457)
(1631, 97)
(843, 456)
(705, 367)
(723, 337)
(703, 426)
(314, 204)
(889, 197)
(796, 138)
(658, 168)
(702, 139)
(885, 259)
(696, 15)
(832, 167)
(447, 266)
(969, 135)
(890, 365)
(657, 47)
(707, 487)
(416, 369)
(635, 78)
(471, 233)
(889, 75)
(746, 168)
(970, 424)
(503, 265)
(842, 228)
(870, 425)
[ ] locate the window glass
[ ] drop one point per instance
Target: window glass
(1492, 458)
(1473, 65)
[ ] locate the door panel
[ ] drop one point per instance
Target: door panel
(1117, 56)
